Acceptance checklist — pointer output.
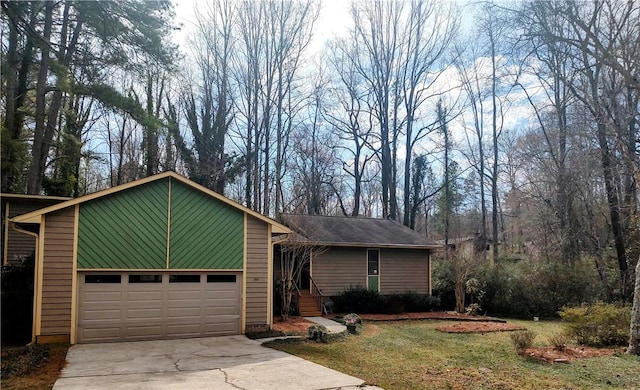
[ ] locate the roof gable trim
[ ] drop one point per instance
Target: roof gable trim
(34, 216)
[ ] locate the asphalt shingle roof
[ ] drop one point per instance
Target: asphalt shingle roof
(355, 231)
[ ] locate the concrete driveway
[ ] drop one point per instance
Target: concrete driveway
(232, 362)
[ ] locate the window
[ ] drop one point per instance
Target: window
(145, 278)
(373, 262)
(221, 278)
(102, 278)
(180, 278)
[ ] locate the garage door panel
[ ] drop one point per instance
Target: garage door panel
(95, 334)
(144, 295)
(221, 301)
(222, 311)
(100, 315)
(231, 295)
(102, 296)
(143, 311)
(149, 331)
(181, 312)
(184, 295)
(184, 329)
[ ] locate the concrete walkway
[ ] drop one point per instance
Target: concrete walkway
(232, 362)
(332, 326)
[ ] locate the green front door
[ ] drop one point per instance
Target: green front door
(373, 269)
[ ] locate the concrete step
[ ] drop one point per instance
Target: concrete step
(332, 326)
(310, 313)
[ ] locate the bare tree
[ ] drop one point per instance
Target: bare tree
(428, 33)
(397, 50)
(273, 38)
(605, 79)
(207, 103)
(295, 255)
(313, 161)
(376, 31)
(351, 118)
(465, 258)
(472, 83)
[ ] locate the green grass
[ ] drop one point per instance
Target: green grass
(414, 355)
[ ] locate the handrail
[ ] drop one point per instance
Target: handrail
(316, 293)
(296, 296)
(295, 285)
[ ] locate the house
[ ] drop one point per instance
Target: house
(17, 246)
(379, 254)
(468, 247)
(161, 257)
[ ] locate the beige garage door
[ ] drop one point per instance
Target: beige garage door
(147, 306)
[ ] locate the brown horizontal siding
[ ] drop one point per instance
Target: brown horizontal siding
(337, 269)
(257, 272)
(404, 270)
(57, 272)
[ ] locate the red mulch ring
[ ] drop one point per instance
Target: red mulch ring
(566, 355)
(479, 327)
(295, 324)
(435, 315)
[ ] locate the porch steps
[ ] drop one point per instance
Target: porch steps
(308, 306)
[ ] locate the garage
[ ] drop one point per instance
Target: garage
(150, 306)
(158, 258)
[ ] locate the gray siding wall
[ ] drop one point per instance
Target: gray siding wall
(401, 270)
(20, 244)
(404, 270)
(57, 272)
(337, 269)
(257, 277)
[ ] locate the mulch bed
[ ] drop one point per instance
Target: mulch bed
(479, 327)
(295, 324)
(567, 354)
(435, 315)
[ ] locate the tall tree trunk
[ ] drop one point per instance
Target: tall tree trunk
(15, 91)
(634, 329)
(40, 150)
(494, 175)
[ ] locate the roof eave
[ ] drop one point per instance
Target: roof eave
(30, 196)
(372, 245)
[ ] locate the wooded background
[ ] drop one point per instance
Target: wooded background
(521, 128)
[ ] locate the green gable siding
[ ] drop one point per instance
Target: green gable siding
(205, 233)
(125, 230)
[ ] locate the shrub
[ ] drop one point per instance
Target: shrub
(522, 340)
(357, 299)
(363, 300)
(473, 309)
(559, 341)
(599, 324)
(531, 288)
(318, 333)
(352, 319)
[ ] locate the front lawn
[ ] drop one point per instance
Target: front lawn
(414, 355)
